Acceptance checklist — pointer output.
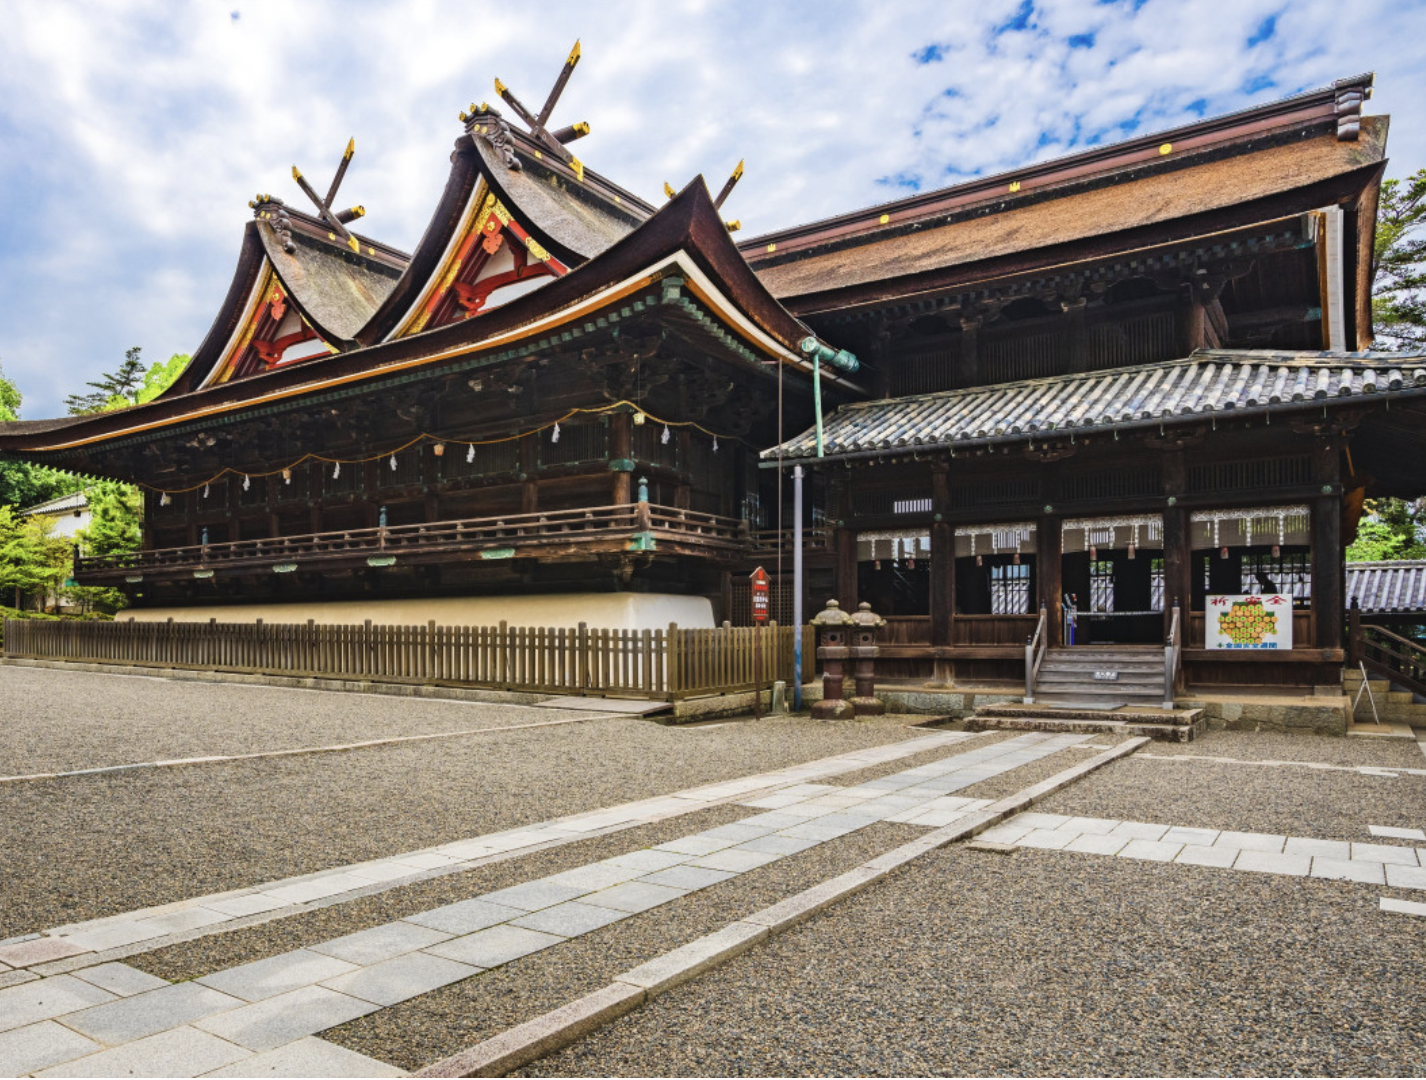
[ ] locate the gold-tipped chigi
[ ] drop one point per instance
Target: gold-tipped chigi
(668, 189)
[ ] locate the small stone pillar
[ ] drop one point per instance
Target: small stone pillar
(865, 624)
(833, 627)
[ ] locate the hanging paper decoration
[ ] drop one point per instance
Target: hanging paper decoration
(555, 434)
(393, 462)
(287, 476)
(439, 449)
(470, 453)
(336, 469)
(638, 417)
(247, 483)
(205, 491)
(665, 436)
(715, 444)
(164, 500)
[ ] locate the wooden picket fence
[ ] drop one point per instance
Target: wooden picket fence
(656, 664)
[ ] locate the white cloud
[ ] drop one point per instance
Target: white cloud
(132, 135)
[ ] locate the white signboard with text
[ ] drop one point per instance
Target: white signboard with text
(1248, 622)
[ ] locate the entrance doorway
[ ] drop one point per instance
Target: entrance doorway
(1113, 580)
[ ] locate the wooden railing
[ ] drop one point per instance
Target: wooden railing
(1173, 655)
(1393, 657)
(993, 629)
(660, 664)
(1034, 654)
(489, 535)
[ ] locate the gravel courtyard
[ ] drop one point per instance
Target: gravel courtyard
(1038, 958)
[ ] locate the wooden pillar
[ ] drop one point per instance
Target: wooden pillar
(943, 561)
(846, 546)
(1328, 571)
(970, 353)
(1178, 546)
(529, 497)
(1076, 340)
(621, 450)
(1049, 544)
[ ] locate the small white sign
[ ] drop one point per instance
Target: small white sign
(1106, 676)
(1249, 622)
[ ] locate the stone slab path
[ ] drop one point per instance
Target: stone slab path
(1264, 853)
(109, 1019)
(117, 936)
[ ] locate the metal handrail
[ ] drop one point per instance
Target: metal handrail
(1035, 655)
(1173, 656)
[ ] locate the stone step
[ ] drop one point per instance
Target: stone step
(1164, 732)
(1087, 671)
(1086, 689)
(1124, 712)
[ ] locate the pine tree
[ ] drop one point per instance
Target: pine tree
(1399, 264)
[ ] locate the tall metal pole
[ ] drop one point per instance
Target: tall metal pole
(797, 588)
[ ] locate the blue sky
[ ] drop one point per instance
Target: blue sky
(133, 134)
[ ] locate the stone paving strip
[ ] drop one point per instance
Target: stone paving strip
(1264, 853)
(269, 1004)
(1391, 771)
(218, 759)
(77, 945)
(527, 1042)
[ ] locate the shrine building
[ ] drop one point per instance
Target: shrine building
(1081, 400)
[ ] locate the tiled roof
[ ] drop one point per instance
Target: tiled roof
(1209, 381)
(61, 505)
(1385, 587)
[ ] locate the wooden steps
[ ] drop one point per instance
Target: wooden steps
(1067, 675)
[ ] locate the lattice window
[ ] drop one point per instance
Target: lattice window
(1010, 589)
(649, 445)
(923, 370)
(346, 481)
(1101, 585)
(1289, 572)
(407, 470)
(488, 459)
(298, 487)
(1251, 475)
(1140, 340)
(1114, 483)
(892, 501)
(578, 443)
(1007, 491)
(1024, 356)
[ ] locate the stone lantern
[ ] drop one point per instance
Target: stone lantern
(865, 624)
(834, 627)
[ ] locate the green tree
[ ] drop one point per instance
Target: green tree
(115, 526)
(160, 376)
(23, 483)
(1399, 264)
(33, 561)
(111, 390)
(1389, 530)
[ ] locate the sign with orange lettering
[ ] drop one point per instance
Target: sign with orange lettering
(760, 596)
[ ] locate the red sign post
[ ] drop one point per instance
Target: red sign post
(760, 600)
(760, 609)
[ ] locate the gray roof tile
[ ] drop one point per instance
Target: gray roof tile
(1209, 381)
(1388, 587)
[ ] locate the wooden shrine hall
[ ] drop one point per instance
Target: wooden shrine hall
(1051, 404)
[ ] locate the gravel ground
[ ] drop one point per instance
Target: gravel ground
(1277, 746)
(446, 1021)
(1247, 798)
(84, 847)
(203, 956)
(1048, 963)
(55, 721)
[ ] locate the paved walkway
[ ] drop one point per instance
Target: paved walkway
(261, 1018)
(1265, 853)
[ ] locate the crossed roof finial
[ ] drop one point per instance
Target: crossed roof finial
(728, 185)
(554, 141)
(337, 220)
